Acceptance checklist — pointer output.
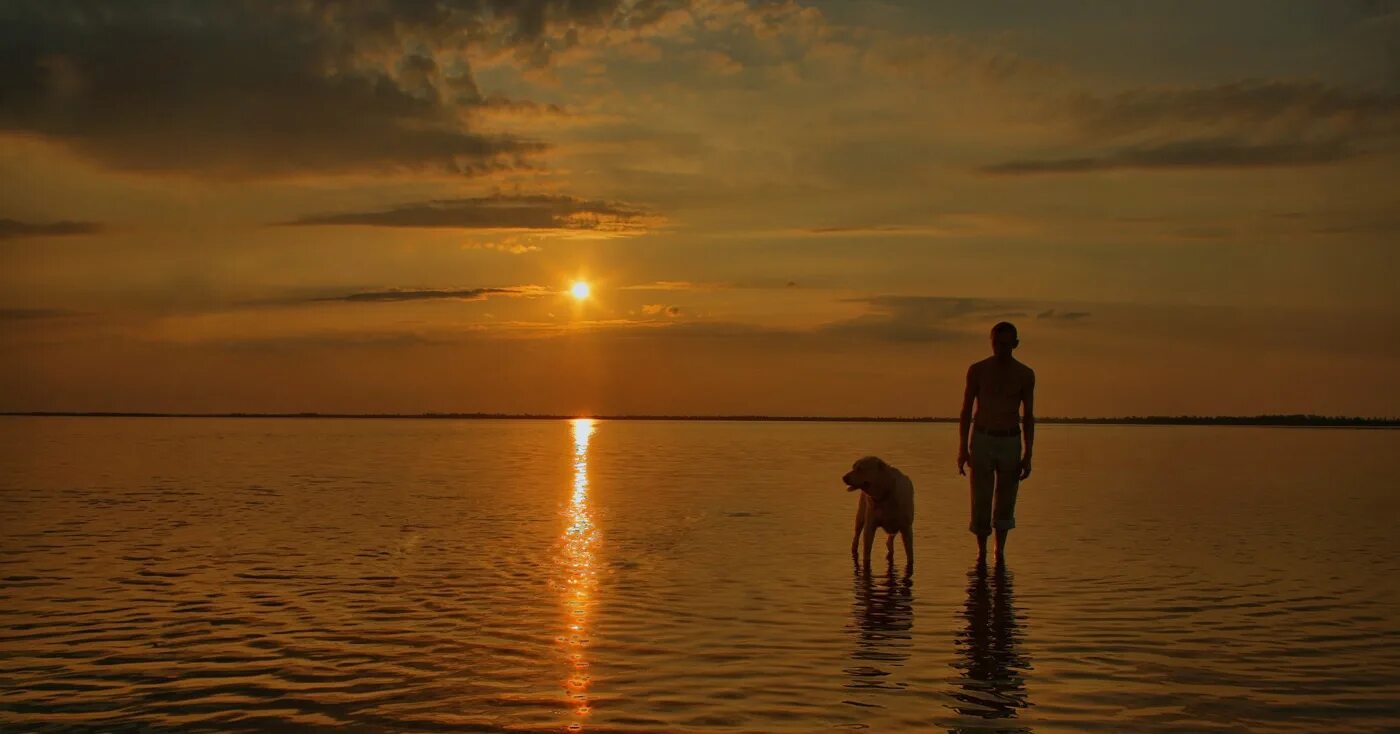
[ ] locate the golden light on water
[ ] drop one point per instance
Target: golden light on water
(580, 575)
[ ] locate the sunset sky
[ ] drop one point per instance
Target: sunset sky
(793, 208)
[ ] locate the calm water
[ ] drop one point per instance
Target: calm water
(657, 576)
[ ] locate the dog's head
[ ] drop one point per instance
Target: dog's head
(869, 474)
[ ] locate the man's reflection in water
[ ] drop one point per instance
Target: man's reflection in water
(884, 613)
(993, 684)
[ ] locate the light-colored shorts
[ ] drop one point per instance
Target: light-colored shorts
(996, 473)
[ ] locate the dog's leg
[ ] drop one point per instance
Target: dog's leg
(908, 536)
(869, 539)
(860, 525)
(889, 547)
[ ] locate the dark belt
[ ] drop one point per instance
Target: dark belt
(999, 432)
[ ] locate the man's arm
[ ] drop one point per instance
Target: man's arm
(1028, 423)
(965, 417)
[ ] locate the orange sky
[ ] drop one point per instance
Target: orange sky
(795, 208)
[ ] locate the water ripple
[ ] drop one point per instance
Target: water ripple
(641, 577)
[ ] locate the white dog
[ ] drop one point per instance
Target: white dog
(887, 502)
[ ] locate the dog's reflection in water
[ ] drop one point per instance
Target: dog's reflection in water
(993, 668)
(884, 621)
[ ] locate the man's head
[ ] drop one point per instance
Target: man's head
(1004, 339)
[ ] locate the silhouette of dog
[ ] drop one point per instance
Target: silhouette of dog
(886, 502)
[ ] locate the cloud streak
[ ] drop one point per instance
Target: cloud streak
(906, 319)
(1051, 313)
(1251, 124)
(399, 295)
(676, 285)
(1187, 154)
(537, 212)
(14, 228)
(1278, 102)
(37, 314)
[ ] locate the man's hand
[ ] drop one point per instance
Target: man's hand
(1025, 467)
(962, 460)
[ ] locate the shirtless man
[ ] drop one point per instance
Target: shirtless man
(999, 384)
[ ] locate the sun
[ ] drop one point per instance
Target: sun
(580, 290)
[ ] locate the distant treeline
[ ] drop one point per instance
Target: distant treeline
(1292, 419)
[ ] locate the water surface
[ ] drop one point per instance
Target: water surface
(419, 575)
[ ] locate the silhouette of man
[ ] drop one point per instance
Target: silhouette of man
(999, 384)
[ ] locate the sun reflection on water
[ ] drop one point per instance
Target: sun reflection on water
(580, 575)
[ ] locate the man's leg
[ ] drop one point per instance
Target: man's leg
(982, 482)
(1008, 482)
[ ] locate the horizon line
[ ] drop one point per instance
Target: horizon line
(1262, 419)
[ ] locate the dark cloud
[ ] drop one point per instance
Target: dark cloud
(894, 319)
(687, 285)
(1203, 233)
(370, 294)
(676, 285)
(856, 229)
(1207, 153)
(1051, 313)
(495, 212)
(10, 228)
(266, 88)
(1286, 103)
(1247, 124)
(923, 318)
(654, 309)
(34, 314)
(1386, 223)
(395, 295)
